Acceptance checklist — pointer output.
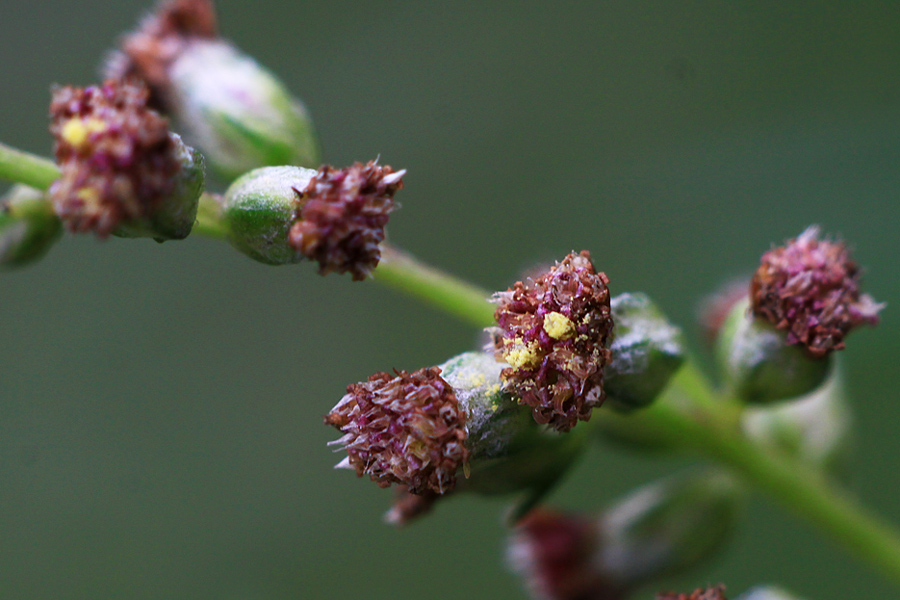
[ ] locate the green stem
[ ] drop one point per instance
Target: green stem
(209, 218)
(399, 270)
(791, 483)
(22, 167)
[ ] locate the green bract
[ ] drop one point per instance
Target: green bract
(509, 452)
(759, 366)
(175, 215)
(646, 351)
(259, 209)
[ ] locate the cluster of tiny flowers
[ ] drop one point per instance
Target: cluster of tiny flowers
(553, 332)
(713, 593)
(161, 38)
(117, 158)
(810, 289)
(406, 428)
(342, 215)
(555, 553)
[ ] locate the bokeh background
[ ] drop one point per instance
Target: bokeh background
(161, 405)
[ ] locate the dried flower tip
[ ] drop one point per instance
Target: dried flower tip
(238, 113)
(409, 507)
(162, 37)
(406, 428)
(122, 170)
(553, 333)
(810, 289)
(556, 555)
(713, 593)
(342, 215)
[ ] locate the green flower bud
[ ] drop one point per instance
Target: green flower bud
(259, 209)
(767, 592)
(28, 226)
(668, 527)
(646, 351)
(237, 112)
(815, 428)
(757, 363)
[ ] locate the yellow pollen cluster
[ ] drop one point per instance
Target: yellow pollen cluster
(522, 355)
(558, 326)
(76, 131)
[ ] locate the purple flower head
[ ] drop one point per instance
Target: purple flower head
(809, 288)
(406, 428)
(117, 157)
(342, 216)
(553, 333)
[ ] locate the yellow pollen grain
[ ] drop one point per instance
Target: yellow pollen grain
(558, 326)
(522, 355)
(76, 131)
(91, 198)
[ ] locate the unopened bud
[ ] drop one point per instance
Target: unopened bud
(237, 112)
(445, 428)
(28, 226)
(816, 428)
(767, 592)
(646, 351)
(759, 365)
(669, 527)
(661, 530)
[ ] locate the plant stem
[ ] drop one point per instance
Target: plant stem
(792, 484)
(209, 218)
(22, 167)
(399, 270)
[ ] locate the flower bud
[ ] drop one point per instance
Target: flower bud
(552, 332)
(661, 530)
(123, 172)
(712, 593)
(646, 351)
(238, 113)
(767, 592)
(815, 428)
(280, 215)
(810, 290)
(28, 226)
(759, 365)
(669, 527)
(426, 429)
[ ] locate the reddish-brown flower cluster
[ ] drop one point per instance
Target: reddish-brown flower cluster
(161, 38)
(553, 332)
(342, 215)
(556, 553)
(810, 289)
(117, 157)
(713, 593)
(406, 428)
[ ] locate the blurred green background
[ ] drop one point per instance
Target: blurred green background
(161, 405)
